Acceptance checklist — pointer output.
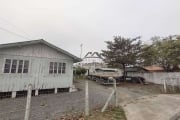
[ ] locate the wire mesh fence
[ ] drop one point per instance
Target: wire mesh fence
(50, 106)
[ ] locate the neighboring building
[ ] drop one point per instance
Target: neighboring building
(91, 61)
(135, 69)
(36, 62)
(138, 69)
(154, 68)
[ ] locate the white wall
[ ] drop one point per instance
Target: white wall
(157, 77)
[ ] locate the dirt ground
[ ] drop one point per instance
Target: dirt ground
(140, 102)
(110, 114)
(50, 106)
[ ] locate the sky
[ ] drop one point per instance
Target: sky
(70, 23)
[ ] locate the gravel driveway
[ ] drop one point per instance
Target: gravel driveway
(139, 102)
(54, 105)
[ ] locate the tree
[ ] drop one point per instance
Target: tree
(122, 52)
(168, 52)
(148, 55)
(79, 71)
(163, 51)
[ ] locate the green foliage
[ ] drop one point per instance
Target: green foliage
(125, 51)
(163, 51)
(79, 71)
(122, 51)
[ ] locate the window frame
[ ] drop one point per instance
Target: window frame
(59, 67)
(12, 66)
(17, 66)
(63, 68)
(52, 68)
(3, 69)
(24, 67)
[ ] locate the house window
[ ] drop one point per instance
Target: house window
(51, 67)
(20, 66)
(64, 68)
(16, 66)
(13, 66)
(7, 66)
(26, 66)
(57, 68)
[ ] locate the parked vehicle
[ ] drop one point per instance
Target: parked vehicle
(134, 79)
(101, 75)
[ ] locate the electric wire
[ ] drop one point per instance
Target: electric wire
(16, 34)
(15, 26)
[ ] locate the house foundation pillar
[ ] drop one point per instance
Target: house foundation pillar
(72, 89)
(36, 92)
(55, 91)
(13, 94)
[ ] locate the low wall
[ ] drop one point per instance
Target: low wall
(158, 77)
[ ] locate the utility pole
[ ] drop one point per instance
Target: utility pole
(81, 50)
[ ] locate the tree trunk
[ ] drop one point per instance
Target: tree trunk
(124, 72)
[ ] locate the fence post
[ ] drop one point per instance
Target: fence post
(165, 89)
(28, 103)
(115, 92)
(86, 98)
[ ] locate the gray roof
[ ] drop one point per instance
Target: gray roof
(9, 45)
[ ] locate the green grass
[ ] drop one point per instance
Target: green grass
(110, 114)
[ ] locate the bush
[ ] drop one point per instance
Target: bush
(79, 71)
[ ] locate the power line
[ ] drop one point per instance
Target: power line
(13, 25)
(6, 30)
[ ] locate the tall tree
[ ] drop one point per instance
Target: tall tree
(163, 51)
(122, 52)
(148, 55)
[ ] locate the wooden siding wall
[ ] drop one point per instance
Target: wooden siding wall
(39, 57)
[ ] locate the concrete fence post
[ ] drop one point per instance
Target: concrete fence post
(86, 98)
(28, 103)
(165, 87)
(115, 92)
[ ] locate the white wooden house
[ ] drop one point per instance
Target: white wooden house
(91, 61)
(36, 62)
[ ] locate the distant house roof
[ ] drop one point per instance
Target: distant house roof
(9, 45)
(154, 68)
(93, 55)
(135, 69)
(107, 69)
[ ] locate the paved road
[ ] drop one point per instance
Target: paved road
(51, 105)
(144, 105)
